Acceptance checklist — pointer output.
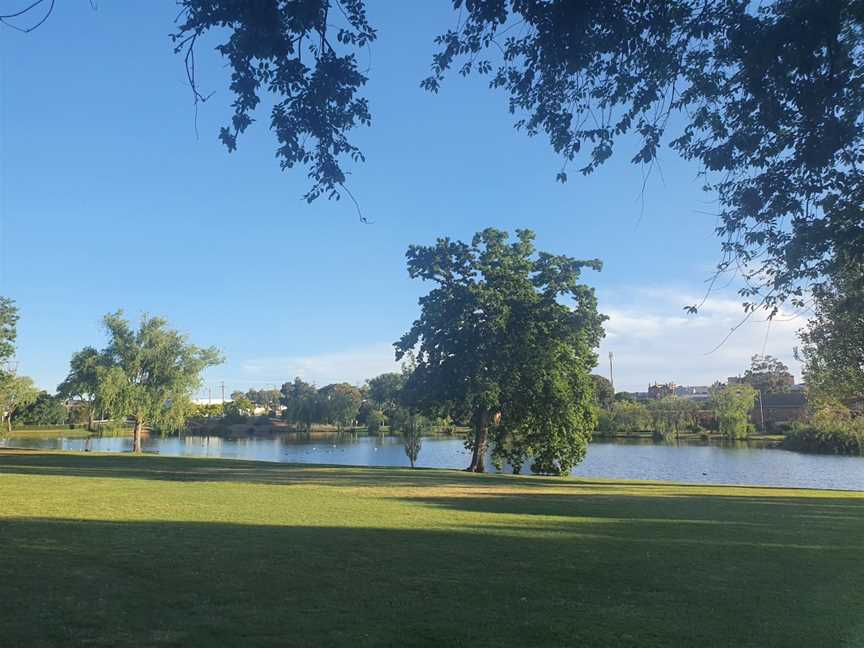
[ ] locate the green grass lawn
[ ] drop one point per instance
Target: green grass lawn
(59, 431)
(117, 550)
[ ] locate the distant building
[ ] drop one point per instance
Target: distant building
(693, 392)
(211, 401)
(661, 390)
(781, 408)
(786, 380)
(262, 410)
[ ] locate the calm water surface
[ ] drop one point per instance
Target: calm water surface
(693, 463)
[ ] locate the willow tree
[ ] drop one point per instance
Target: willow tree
(150, 373)
(16, 393)
(82, 382)
(339, 404)
(301, 403)
(732, 405)
(506, 340)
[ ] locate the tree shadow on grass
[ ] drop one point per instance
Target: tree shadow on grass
(206, 469)
(566, 563)
(192, 469)
(673, 504)
(197, 469)
(73, 582)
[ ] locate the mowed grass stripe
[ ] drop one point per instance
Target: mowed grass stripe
(130, 551)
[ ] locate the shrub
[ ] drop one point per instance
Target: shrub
(832, 428)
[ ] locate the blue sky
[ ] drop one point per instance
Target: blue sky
(108, 200)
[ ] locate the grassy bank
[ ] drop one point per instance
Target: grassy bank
(714, 437)
(59, 431)
(124, 551)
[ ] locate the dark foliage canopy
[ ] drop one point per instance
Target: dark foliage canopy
(291, 50)
(45, 410)
(834, 338)
(770, 95)
(767, 97)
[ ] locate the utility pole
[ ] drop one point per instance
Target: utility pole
(222, 384)
(611, 380)
(209, 395)
(761, 411)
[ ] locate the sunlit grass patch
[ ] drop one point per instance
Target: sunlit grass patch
(128, 551)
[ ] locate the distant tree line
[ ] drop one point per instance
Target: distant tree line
(726, 411)
(305, 405)
(376, 406)
(266, 398)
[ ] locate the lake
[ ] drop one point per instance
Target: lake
(682, 462)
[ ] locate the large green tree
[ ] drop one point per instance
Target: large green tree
(44, 410)
(16, 393)
(506, 340)
(833, 349)
(385, 391)
(263, 397)
(768, 375)
(301, 403)
(603, 390)
(339, 404)
(238, 408)
(82, 382)
(149, 373)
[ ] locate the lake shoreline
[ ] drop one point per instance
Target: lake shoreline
(492, 472)
(694, 461)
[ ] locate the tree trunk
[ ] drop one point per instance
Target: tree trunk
(481, 440)
(136, 436)
(9, 423)
(90, 417)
